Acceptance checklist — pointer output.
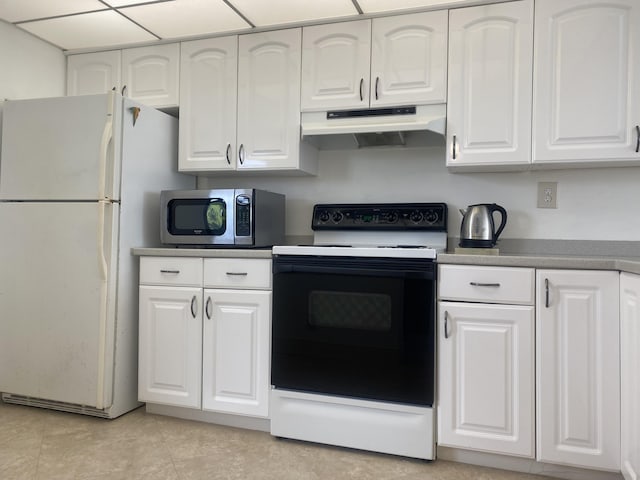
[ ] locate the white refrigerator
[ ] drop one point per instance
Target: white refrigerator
(80, 179)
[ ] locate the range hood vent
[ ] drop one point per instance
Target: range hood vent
(374, 127)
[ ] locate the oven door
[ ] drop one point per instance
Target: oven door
(354, 326)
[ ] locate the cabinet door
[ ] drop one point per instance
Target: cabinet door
(151, 74)
(630, 375)
(170, 345)
(490, 85)
(208, 93)
(587, 81)
(269, 100)
(409, 59)
(335, 66)
(486, 381)
(93, 73)
(578, 368)
(236, 353)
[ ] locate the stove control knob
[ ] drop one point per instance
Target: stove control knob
(392, 217)
(431, 216)
(337, 217)
(416, 216)
(324, 216)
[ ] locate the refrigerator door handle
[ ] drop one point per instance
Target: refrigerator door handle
(103, 268)
(107, 137)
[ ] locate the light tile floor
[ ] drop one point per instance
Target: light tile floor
(37, 444)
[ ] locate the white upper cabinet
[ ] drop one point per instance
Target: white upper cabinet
(208, 93)
(268, 133)
(409, 59)
(92, 73)
(490, 86)
(399, 60)
(587, 82)
(150, 74)
(147, 75)
(335, 64)
(240, 105)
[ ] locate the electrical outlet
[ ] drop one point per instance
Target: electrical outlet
(547, 194)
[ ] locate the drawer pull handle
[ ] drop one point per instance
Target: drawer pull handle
(238, 274)
(207, 308)
(173, 272)
(446, 324)
(546, 293)
(480, 284)
(194, 306)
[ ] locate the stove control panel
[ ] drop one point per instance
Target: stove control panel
(385, 216)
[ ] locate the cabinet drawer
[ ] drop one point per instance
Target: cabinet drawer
(171, 271)
(237, 273)
(486, 284)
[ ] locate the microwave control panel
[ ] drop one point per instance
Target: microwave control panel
(390, 216)
(243, 216)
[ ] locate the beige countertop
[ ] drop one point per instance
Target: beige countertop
(587, 256)
(203, 252)
(631, 265)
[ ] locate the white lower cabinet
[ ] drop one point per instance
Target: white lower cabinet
(205, 333)
(630, 375)
(235, 362)
(584, 321)
(170, 352)
(485, 357)
(578, 368)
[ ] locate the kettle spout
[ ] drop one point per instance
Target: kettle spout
(462, 211)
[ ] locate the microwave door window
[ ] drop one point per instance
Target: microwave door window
(198, 217)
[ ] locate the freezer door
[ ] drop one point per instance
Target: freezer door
(56, 338)
(60, 148)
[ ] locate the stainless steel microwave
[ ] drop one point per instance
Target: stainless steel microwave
(222, 217)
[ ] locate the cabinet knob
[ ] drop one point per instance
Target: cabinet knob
(546, 293)
(446, 324)
(194, 306)
(207, 308)
(241, 154)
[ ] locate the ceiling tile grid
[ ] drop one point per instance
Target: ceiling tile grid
(98, 24)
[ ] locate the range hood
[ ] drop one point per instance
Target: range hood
(375, 126)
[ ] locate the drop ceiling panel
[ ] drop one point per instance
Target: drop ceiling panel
(182, 18)
(90, 30)
(18, 10)
(278, 12)
(374, 6)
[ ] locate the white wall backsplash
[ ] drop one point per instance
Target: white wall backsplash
(30, 67)
(593, 204)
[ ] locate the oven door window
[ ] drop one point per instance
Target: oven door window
(354, 332)
(206, 216)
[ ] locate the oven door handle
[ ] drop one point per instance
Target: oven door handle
(371, 272)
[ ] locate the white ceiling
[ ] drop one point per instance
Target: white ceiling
(99, 24)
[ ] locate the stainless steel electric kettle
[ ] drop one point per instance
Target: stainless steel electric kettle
(477, 228)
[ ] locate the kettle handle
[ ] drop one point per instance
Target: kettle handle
(503, 220)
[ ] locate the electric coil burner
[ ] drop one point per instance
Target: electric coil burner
(353, 338)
